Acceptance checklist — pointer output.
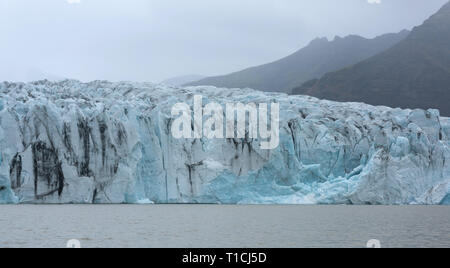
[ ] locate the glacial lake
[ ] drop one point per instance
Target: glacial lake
(186, 226)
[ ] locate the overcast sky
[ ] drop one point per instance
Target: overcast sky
(151, 40)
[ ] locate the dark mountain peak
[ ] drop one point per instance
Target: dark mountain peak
(415, 73)
(444, 9)
(337, 39)
(313, 61)
(318, 41)
(440, 19)
(352, 37)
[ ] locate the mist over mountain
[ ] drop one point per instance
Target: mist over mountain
(181, 80)
(415, 73)
(313, 61)
(13, 72)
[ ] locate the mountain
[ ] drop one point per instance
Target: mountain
(415, 73)
(181, 80)
(313, 61)
(103, 142)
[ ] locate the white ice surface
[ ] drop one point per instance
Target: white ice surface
(102, 142)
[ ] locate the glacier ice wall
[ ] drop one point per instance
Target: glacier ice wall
(102, 142)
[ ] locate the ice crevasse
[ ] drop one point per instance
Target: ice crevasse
(104, 142)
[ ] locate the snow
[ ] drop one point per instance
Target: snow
(103, 142)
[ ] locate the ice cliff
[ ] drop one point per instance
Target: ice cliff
(102, 142)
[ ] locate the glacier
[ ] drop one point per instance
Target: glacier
(104, 142)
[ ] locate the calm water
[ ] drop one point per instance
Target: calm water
(223, 226)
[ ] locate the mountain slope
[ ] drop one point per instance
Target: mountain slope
(413, 74)
(313, 61)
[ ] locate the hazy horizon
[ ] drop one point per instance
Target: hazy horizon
(150, 40)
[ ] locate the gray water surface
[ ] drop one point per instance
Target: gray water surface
(186, 226)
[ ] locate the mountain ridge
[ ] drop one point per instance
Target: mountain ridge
(312, 61)
(415, 73)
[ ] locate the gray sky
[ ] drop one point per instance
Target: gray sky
(150, 40)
